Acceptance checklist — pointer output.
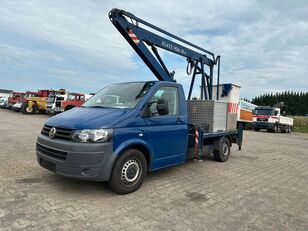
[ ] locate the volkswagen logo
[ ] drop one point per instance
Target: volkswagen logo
(52, 133)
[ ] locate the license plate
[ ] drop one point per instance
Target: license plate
(48, 165)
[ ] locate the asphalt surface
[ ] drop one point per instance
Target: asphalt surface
(262, 187)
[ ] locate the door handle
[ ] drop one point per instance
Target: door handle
(178, 120)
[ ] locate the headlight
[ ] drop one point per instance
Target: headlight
(93, 135)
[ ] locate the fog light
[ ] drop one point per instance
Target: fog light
(86, 172)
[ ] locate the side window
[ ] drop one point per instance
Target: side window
(170, 94)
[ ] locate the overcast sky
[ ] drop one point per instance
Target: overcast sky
(72, 44)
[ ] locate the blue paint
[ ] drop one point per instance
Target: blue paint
(165, 137)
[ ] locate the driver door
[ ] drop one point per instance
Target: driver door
(166, 134)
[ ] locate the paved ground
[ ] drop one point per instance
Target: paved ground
(263, 187)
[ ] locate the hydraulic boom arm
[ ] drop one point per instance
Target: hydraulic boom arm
(140, 39)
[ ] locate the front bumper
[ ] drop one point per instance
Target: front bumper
(49, 110)
(90, 161)
(263, 125)
(16, 108)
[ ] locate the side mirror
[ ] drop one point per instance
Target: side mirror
(162, 106)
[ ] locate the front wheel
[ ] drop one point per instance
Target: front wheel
(275, 129)
(32, 110)
(128, 172)
(222, 154)
(26, 108)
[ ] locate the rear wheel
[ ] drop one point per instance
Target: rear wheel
(222, 154)
(128, 172)
(257, 129)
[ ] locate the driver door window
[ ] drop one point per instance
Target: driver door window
(170, 94)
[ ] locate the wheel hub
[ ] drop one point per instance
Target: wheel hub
(225, 150)
(131, 171)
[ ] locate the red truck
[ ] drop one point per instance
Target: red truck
(15, 97)
(73, 100)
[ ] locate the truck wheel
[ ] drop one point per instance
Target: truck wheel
(257, 129)
(31, 110)
(128, 172)
(223, 153)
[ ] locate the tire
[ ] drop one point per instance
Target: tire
(23, 108)
(128, 172)
(27, 110)
(222, 154)
(257, 129)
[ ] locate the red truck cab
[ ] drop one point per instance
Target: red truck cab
(73, 100)
(15, 97)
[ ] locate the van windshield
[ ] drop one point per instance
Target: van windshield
(121, 95)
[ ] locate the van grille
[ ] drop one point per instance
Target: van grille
(51, 152)
(61, 133)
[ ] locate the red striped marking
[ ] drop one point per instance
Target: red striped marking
(196, 143)
(133, 36)
(232, 108)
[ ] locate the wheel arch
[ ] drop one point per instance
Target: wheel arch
(140, 146)
(230, 139)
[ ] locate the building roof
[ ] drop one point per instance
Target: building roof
(5, 91)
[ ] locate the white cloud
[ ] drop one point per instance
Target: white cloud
(263, 44)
